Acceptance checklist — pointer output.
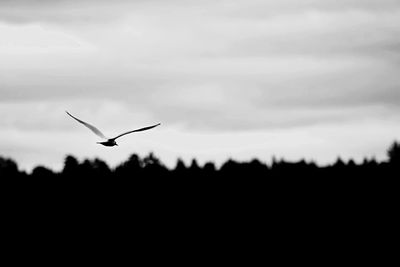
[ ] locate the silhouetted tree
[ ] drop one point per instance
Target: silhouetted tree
(8, 168)
(86, 169)
(232, 169)
(194, 169)
(394, 154)
(42, 172)
(101, 168)
(369, 162)
(257, 167)
(180, 165)
(133, 167)
(135, 162)
(180, 169)
(153, 166)
(209, 169)
(71, 167)
(339, 163)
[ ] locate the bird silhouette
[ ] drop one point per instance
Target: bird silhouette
(109, 141)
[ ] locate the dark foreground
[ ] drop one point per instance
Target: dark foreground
(142, 200)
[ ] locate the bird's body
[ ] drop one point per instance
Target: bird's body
(109, 141)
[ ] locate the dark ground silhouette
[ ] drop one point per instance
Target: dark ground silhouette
(240, 196)
(151, 166)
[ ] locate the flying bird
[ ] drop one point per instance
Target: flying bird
(109, 141)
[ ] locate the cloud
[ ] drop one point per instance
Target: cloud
(209, 67)
(98, 12)
(60, 11)
(220, 66)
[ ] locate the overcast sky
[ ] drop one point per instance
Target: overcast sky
(227, 79)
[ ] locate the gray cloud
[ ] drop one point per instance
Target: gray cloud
(91, 11)
(219, 67)
(61, 11)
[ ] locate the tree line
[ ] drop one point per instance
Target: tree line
(151, 166)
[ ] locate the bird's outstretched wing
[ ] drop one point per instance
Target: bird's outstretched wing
(91, 127)
(137, 130)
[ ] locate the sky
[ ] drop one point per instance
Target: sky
(240, 79)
